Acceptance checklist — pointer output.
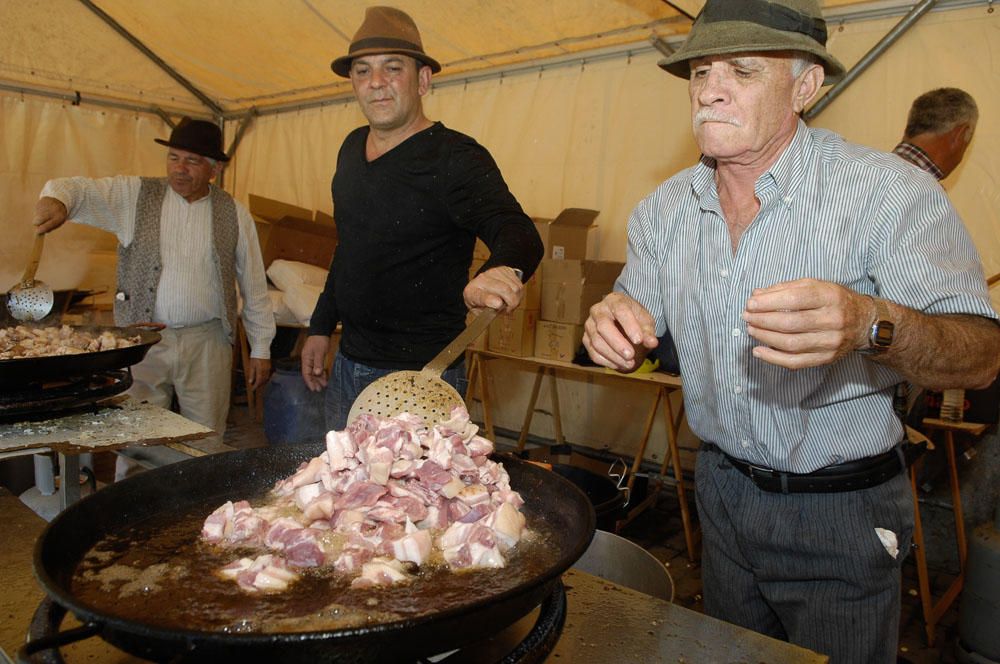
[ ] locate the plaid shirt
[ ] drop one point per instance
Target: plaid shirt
(918, 158)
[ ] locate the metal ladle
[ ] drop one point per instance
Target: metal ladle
(31, 300)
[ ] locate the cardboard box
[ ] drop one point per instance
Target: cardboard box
(474, 267)
(568, 234)
(571, 287)
(271, 210)
(514, 333)
(480, 251)
(532, 298)
(542, 226)
(321, 217)
(266, 211)
(300, 240)
(557, 341)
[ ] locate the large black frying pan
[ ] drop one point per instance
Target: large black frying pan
(25, 371)
(235, 475)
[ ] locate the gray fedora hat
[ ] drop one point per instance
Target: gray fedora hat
(739, 26)
(384, 30)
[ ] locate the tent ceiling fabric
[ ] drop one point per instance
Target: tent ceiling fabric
(258, 53)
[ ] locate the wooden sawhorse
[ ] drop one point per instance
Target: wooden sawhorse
(933, 611)
(663, 384)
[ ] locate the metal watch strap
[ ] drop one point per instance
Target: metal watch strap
(881, 332)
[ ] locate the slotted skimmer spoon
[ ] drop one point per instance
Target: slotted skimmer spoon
(30, 299)
(423, 392)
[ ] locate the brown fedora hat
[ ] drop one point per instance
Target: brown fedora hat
(384, 30)
(730, 26)
(197, 136)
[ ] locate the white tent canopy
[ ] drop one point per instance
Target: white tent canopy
(565, 94)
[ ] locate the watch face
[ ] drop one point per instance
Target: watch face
(882, 334)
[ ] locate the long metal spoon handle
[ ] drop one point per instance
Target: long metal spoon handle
(443, 359)
(448, 354)
(36, 256)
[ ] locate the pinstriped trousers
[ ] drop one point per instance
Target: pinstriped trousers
(807, 568)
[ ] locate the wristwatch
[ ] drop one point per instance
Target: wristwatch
(882, 330)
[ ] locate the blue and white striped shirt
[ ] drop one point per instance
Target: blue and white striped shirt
(829, 210)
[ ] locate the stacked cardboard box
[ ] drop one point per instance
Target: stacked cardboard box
(569, 289)
(293, 233)
(514, 333)
(569, 235)
(557, 298)
(571, 284)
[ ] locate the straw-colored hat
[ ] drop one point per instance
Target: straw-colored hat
(737, 26)
(384, 30)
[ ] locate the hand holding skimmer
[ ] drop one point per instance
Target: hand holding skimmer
(423, 393)
(30, 299)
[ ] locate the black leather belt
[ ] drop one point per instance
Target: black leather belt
(847, 476)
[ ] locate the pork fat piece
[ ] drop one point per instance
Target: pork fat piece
(386, 495)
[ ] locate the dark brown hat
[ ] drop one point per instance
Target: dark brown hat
(197, 136)
(385, 30)
(726, 26)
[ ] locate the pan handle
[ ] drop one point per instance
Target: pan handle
(47, 618)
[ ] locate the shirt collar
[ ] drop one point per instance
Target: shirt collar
(785, 173)
(919, 158)
(171, 192)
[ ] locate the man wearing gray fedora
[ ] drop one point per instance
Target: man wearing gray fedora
(410, 197)
(802, 278)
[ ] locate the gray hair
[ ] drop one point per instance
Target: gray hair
(802, 61)
(940, 110)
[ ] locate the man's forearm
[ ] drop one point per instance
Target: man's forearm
(943, 351)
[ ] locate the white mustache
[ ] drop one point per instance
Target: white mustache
(711, 115)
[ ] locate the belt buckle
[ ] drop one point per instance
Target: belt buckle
(759, 471)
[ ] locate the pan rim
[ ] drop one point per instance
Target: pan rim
(90, 615)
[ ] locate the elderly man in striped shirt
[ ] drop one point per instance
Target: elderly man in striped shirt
(802, 277)
(184, 246)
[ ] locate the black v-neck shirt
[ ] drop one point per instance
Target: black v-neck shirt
(407, 224)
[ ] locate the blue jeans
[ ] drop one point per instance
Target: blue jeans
(348, 378)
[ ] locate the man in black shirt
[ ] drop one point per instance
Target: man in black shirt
(410, 198)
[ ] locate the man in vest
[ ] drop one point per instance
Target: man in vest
(183, 246)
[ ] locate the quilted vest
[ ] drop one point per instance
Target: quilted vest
(139, 263)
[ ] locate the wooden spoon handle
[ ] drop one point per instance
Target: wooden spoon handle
(36, 256)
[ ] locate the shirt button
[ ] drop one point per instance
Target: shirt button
(745, 443)
(737, 390)
(736, 332)
(788, 200)
(724, 274)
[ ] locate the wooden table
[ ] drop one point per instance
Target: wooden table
(661, 386)
(116, 423)
(933, 611)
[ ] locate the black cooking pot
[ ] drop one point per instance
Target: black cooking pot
(608, 500)
(179, 487)
(28, 370)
